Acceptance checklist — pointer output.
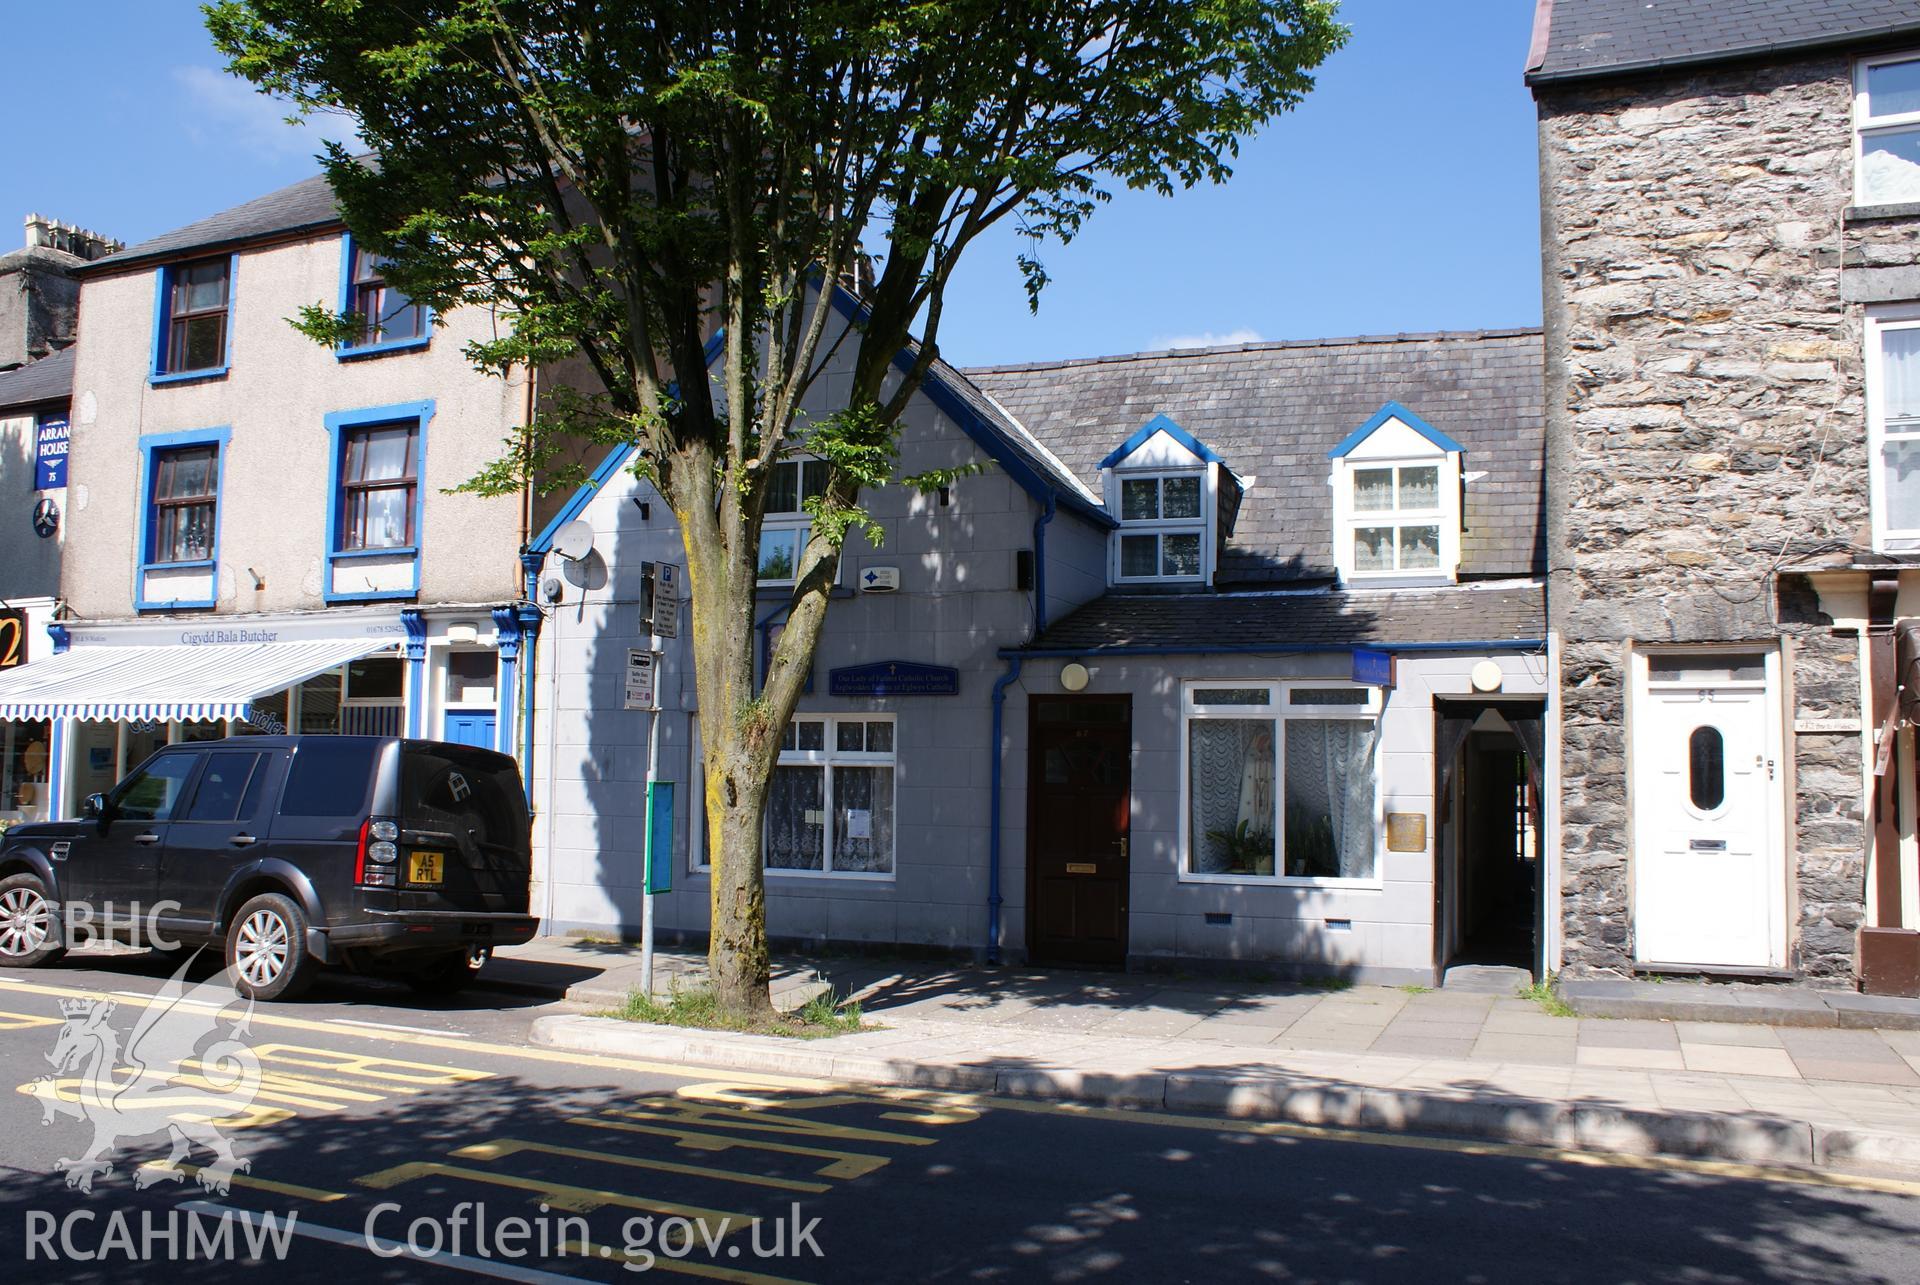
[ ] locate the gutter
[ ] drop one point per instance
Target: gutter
(1744, 53)
(1280, 649)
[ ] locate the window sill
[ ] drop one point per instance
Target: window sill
(197, 564)
(382, 349)
(185, 604)
(382, 595)
(854, 876)
(1329, 882)
(157, 380)
(1870, 213)
(397, 551)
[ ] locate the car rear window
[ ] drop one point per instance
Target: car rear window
(443, 789)
(329, 778)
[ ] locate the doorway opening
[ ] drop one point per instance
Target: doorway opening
(1488, 880)
(1079, 792)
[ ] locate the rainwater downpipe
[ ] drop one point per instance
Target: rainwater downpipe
(1006, 680)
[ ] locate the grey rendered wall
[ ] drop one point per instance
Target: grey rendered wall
(1076, 563)
(274, 499)
(957, 606)
(29, 565)
(1391, 937)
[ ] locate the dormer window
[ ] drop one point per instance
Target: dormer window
(1164, 486)
(1396, 501)
(1161, 526)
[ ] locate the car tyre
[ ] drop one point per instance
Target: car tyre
(449, 973)
(30, 933)
(267, 955)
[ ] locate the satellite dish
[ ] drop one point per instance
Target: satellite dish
(588, 572)
(574, 541)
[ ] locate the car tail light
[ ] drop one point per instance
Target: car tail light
(373, 865)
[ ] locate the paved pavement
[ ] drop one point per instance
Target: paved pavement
(1485, 1065)
(400, 1116)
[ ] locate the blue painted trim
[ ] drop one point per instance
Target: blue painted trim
(1282, 649)
(986, 435)
(61, 635)
(157, 375)
(416, 626)
(1394, 410)
(353, 352)
(1161, 424)
(338, 424)
(150, 445)
(57, 771)
(506, 623)
(530, 621)
(994, 899)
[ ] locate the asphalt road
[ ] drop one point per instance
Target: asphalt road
(415, 1120)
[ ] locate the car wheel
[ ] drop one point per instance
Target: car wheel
(267, 948)
(450, 973)
(29, 930)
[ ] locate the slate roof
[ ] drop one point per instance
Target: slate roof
(1581, 39)
(1510, 611)
(1274, 410)
(299, 207)
(48, 380)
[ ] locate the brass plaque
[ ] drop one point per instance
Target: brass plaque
(1082, 868)
(1406, 832)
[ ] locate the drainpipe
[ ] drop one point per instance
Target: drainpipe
(530, 620)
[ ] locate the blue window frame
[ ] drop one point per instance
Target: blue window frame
(375, 501)
(193, 319)
(393, 322)
(181, 480)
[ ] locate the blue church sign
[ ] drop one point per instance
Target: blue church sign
(895, 678)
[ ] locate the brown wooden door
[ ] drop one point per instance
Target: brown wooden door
(1079, 774)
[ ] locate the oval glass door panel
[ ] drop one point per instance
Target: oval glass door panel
(1707, 768)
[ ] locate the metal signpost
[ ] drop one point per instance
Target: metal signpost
(662, 621)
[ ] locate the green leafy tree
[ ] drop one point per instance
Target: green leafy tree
(619, 180)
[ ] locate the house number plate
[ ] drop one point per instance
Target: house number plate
(1406, 832)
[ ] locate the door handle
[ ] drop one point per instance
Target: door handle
(146, 840)
(243, 841)
(1121, 845)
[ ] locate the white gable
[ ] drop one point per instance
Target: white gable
(1394, 440)
(1161, 451)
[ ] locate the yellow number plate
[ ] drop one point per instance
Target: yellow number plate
(426, 867)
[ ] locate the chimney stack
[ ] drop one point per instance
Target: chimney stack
(82, 243)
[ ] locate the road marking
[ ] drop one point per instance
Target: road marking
(391, 1248)
(684, 1266)
(845, 1164)
(25, 1021)
(944, 1098)
(530, 1053)
(394, 1026)
(248, 1181)
(500, 1147)
(559, 1195)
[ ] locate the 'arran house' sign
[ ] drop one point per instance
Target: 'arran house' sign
(895, 678)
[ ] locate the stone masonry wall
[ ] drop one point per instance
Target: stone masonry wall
(1706, 426)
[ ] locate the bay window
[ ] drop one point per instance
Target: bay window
(1279, 781)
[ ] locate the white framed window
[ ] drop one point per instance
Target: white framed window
(1886, 126)
(786, 524)
(830, 809)
(1397, 518)
(1893, 426)
(1279, 783)
(1163, 526)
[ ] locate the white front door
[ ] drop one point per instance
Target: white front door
(1708, 842)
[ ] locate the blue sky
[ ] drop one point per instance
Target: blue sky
(1400, 197)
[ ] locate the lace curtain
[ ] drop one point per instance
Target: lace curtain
(1230, 784)
(1330, 797)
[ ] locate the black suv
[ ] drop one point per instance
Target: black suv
(396, 857)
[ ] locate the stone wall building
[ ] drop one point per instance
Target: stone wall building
(1730, 200)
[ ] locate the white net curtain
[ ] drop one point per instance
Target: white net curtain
(1328, 802)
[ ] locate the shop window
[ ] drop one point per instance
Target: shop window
(25, 771)
(1280, 782)
(320, 701)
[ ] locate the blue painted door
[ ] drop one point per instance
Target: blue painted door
(471, 727)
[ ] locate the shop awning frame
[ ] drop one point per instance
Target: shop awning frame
(181, 682)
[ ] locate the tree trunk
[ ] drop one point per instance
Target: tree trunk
(738, 961)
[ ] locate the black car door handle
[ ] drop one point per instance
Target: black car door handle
(148, 839)
(243, 841)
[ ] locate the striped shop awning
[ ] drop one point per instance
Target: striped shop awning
(189, 683)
